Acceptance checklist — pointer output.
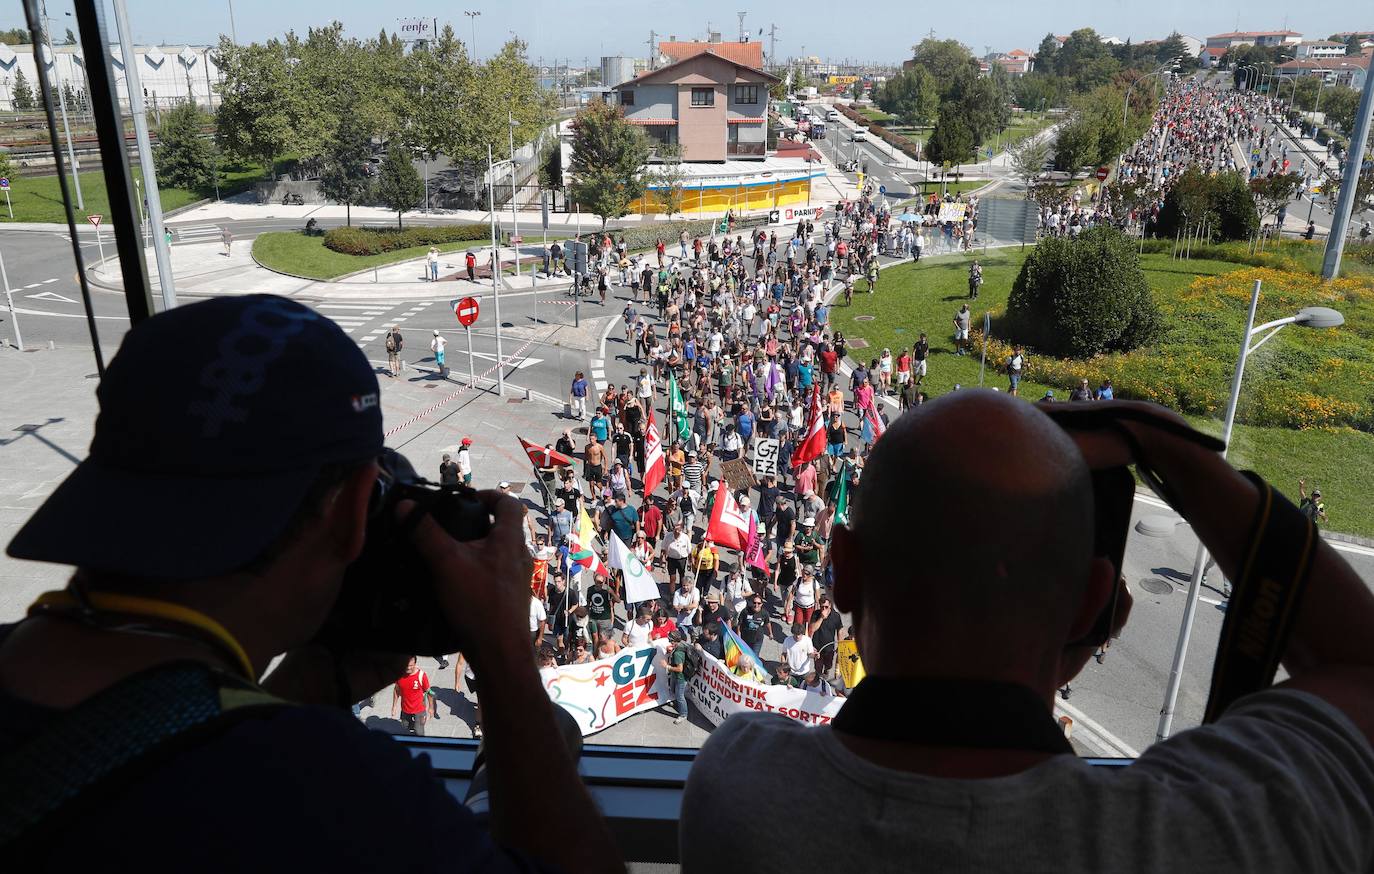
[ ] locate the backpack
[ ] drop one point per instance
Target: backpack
(692, 664)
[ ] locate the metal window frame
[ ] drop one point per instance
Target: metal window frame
(753, 89)
(707, 91)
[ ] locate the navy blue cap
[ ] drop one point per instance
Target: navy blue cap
(215, 420)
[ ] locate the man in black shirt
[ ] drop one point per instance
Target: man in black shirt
(713, 612)
(711, 642)
(826, 630)
(786, 519)
(448, 471)
(768, 501)
(752, 623)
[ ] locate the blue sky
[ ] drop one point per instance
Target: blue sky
(885, 31)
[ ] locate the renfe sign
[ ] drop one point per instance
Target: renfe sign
(417, 28)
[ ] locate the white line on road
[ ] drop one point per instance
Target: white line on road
(33, 285)
(346, 306)
(600, 385)
(1096, 734)
(26, 312)
(54, 279)
(369, 338)
(399, 319)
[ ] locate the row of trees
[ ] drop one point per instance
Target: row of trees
(1096, 132)
(943, 84)
(1084, 63)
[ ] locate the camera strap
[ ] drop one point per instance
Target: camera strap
(972, 713)
(1264, 600)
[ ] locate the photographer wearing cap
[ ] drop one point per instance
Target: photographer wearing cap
(212, 528)
(947, 752)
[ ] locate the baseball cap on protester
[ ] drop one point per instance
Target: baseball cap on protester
(215, 420)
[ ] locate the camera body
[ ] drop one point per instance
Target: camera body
(387, 601)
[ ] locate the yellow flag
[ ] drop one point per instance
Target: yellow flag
(850, 666)
(585, 529)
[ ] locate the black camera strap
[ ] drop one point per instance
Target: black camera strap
(1264, 600)
(972, 713)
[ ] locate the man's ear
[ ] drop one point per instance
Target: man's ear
(846, 558)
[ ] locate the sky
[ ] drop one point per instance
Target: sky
(884, 32)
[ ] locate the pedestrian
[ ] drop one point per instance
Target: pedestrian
(227, 238)
(539, 620)
(432, 262)
(1311, 506)
(961, 328)
(1082, 392)
(601, 611)
(752, 623)
(448, 472)
(798, 651)
(411, 701)
(1016, 366)
(826, 629)
(465, 461)
(577, 396)
(677, 672)
(470, 262)
(437, 346)
(975, 279)
(394, 344)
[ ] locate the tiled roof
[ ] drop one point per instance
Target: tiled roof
(750, 54)
(1236, 34)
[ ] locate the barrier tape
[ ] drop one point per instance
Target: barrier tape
(432, 408)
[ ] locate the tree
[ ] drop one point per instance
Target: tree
(667, 180)
(1028, 159)
(945, 60)
(345, 179)
(399, 187)
(71, 38)
(1222, 205)
(983, 106)
(1083, 297)
(1076, 145)
(17, 36)
(8, 169)
(23, 94)
(1037, 90)
(856, 90)
(1272, 193)
(184, 156)
(952, 141)
(1044, 55)
(608, 155)
(1082, 47)
(1172, 46)
(1352, 46)
(1339, 105)
(254, 119)
(1364, 189)
(911, 96)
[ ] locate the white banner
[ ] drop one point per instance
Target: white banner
(417, 29)
(765, 457)
(640, 585)
(952, 212)
(718, 693)
(601, 693)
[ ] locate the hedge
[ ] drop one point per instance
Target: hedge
(375, 241)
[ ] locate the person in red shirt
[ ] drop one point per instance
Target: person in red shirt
(470, 261)
(830, 360)
(663, 625)
(410, 698)
(651, 522)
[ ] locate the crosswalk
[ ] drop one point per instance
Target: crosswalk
(197, 232)
(367, 322)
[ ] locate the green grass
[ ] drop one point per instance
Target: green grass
(295, 253)
(874, 114)
(39, 198)
(1191, 366)
(1022, 128)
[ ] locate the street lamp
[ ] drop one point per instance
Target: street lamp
(472, 17)
(495, 274)
(1308, 317)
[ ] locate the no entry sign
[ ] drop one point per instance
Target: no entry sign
(466, 311)
(1102, 174)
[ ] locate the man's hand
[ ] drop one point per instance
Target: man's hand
(482, 585)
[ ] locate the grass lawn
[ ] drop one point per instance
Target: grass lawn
(1190, 368)
(39, 198)
(875, 114)
(293, 252)
(1023, 127)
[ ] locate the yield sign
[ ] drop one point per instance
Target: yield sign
(94, 219)
(466, 310)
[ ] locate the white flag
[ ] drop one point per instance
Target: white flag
(639, 583)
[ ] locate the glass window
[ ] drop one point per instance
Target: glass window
(746, 94)
(627, 97)
(703, 97)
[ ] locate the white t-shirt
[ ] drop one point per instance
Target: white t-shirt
(686, 603)
(638, 634)
(537, 614)
(1283, 782)
(798, 652)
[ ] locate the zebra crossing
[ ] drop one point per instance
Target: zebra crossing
(367, 322)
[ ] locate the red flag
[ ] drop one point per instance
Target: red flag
(813, 446)
(654, 467)
(543, 457)
(729, 526)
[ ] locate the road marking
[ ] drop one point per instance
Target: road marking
(369, 338)
(400, 319)
(599, 374)
(347, 306)
(54, 279)
(524, 362)
(1096, 733)
(598, 362)
(27, 312)
(1352, 548)
(601, 385)
(49, 295)
(33, 285)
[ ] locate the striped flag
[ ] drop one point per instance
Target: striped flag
(582, 557)
(543, 456)
(734, 649)
(677, 410)
(875, 420)
(813, 445)
(655, 469)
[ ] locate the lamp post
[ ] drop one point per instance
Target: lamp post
(472, 17)
(62, 105)
(495, 275)
(514, 217)
(1345, 205)
(1308, 317)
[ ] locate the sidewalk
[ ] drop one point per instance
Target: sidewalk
(202, 269)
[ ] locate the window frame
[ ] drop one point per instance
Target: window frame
(706, 91)
(749, 88)
(627, 97)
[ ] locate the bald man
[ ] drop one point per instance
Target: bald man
(947, 757)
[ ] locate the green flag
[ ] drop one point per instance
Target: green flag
(842, 497)
(677, 409)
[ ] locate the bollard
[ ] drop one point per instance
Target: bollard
(374, 274)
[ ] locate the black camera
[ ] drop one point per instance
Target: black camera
(387, 602)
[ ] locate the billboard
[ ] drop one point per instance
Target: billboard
(417, 28)
(843, 80)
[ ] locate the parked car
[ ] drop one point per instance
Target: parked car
(860, 135)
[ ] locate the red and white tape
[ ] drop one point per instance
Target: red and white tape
(432, 408)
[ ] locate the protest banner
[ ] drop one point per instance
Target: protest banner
(717, 693)
(601, 693)
(952, 212)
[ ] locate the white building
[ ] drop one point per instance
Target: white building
(1322, 48)
(167, 73)
(1266, 38)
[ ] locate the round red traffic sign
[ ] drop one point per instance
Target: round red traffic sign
(1102, 174)
(466, 311)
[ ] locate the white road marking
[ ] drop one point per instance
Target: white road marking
(54, 279)
(521, 364)
(1097, 735)
(399, 319)
(600, 385)
(599, 374)
(49, 295)
(369, 338)
(33, 285)
(346, 306)
(26, 312)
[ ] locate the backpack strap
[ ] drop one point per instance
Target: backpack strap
(110, 739)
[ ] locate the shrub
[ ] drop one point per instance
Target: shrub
(1080, 298)
(375, 241)
(1222, 204)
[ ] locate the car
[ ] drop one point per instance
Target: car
(860, 135)
(832, 115)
